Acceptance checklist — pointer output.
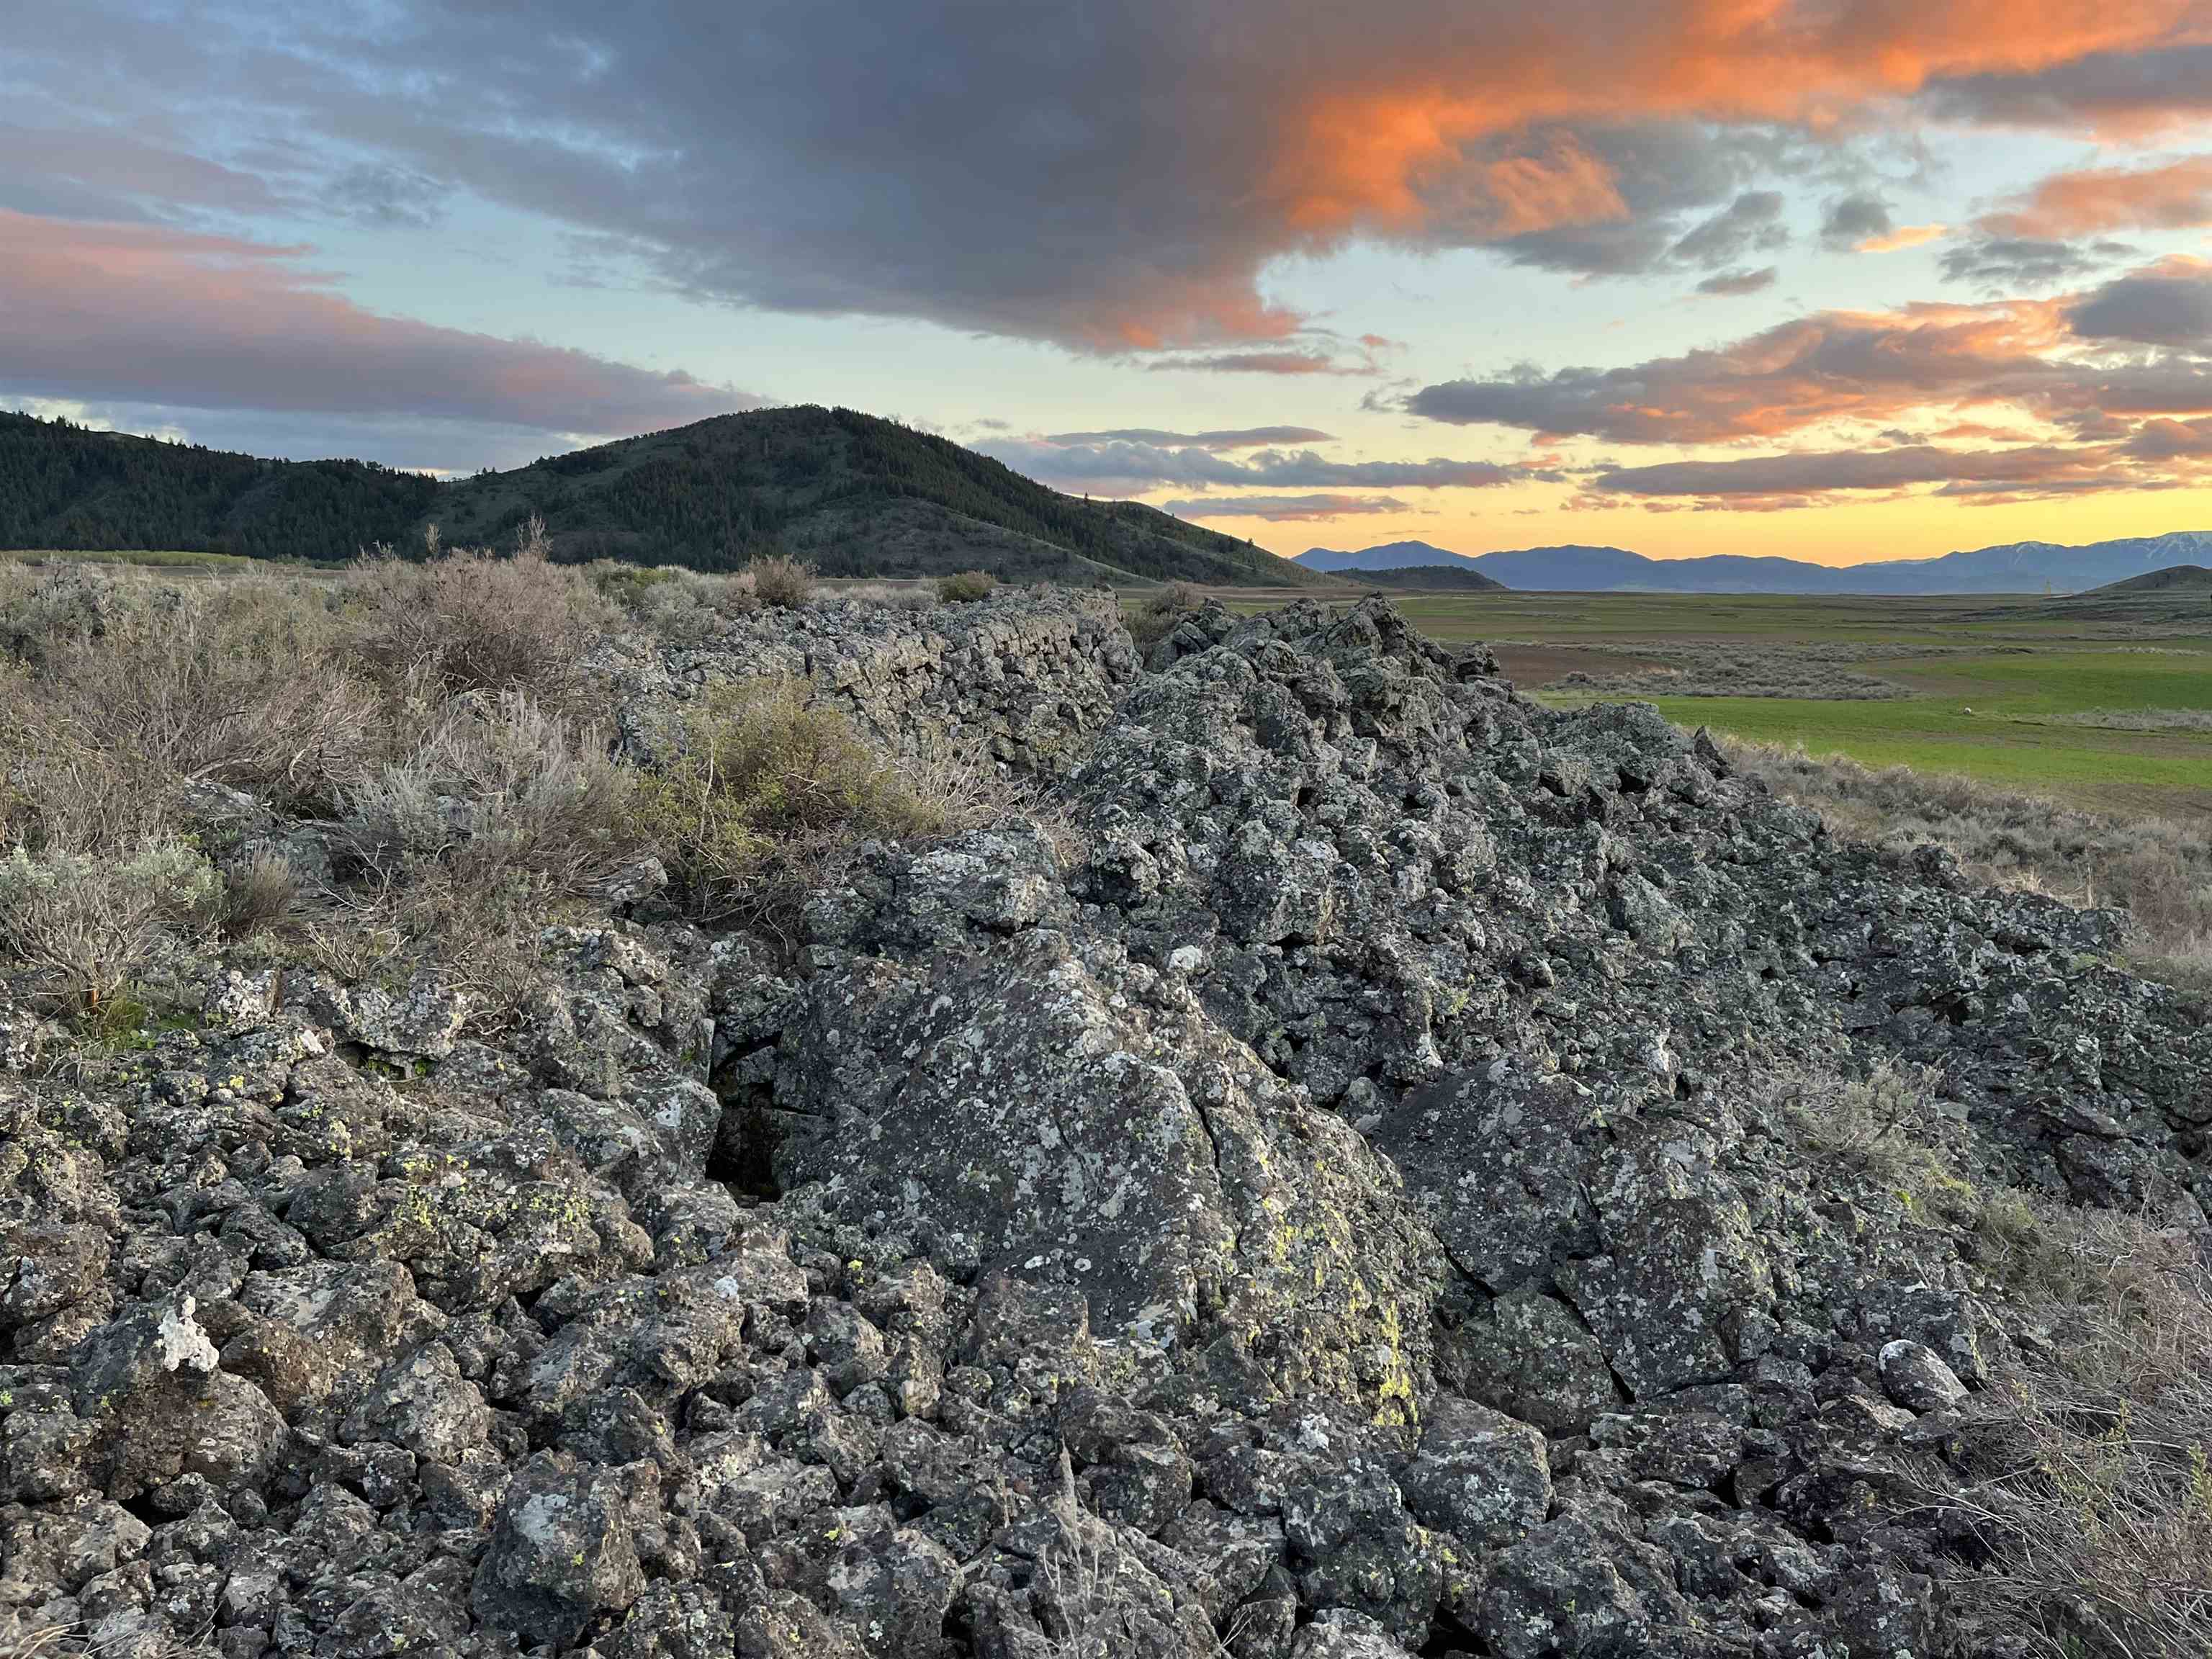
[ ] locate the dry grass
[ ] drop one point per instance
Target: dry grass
(678, 607)
(497, 797)
(2084, 1473)
(264, 893)
(424, 718)
(73, 1642)
(2158, 870)
(2096, 1492)
(900, 596)
(1816, 669)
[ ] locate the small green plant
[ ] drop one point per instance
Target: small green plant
(966, 587)
(758, 790)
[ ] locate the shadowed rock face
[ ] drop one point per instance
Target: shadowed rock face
(1341, 1211)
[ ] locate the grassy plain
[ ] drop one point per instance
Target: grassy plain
(2106, 706)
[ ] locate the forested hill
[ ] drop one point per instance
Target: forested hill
(853, 494)
(64, 486)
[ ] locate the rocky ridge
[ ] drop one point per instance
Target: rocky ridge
(1352, 1207)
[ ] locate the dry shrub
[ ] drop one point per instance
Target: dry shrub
(1154, 617)
(497, 791)
(1874, 1129)
(965, 587)
(2083, 1466)
(782, 580)
(43, 607)
(760, 791)
(231, 682)
(502, 818)
(2095, 1493)
(678, 607)
(471, 621)
(55, 792)
(85, 924)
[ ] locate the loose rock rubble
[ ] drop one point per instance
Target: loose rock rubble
(1341, 1212)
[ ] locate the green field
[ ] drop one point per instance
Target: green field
(2112, 710)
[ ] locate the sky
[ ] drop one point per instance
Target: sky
(1833, 279)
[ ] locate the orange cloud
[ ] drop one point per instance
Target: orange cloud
(2176, 197)
(1903, 237)
(1832, 366)
(1356, 157)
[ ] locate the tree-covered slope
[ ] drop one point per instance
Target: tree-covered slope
(64, 486)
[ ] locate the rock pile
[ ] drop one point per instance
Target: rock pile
(1024, 677)
(1346, 1212)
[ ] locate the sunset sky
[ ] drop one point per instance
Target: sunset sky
(1845, 280)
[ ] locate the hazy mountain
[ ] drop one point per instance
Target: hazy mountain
(854, 494)
(1389, 555)
(2014, 567)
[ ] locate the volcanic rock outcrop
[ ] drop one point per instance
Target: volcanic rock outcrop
(1342, 1200)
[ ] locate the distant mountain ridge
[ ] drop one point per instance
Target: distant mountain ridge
(853, 495)
(2013, 568)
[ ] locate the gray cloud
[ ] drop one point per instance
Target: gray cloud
(2166, 441)
(960, 164)
(1263, 362)
(1837, 366)
(2025, 469)
(2006, 264)
(1249, 437)
(1124, 467)
(2123, 88)
(2168, 305)
(1734, 283)
(1852, 219)
(1664, 173)
(98, 173)
(1753, 222)
(380, 195)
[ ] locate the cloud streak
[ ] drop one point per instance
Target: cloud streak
(1283, 509)
(2065, 361)
(1124, 466)
(142, 314)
